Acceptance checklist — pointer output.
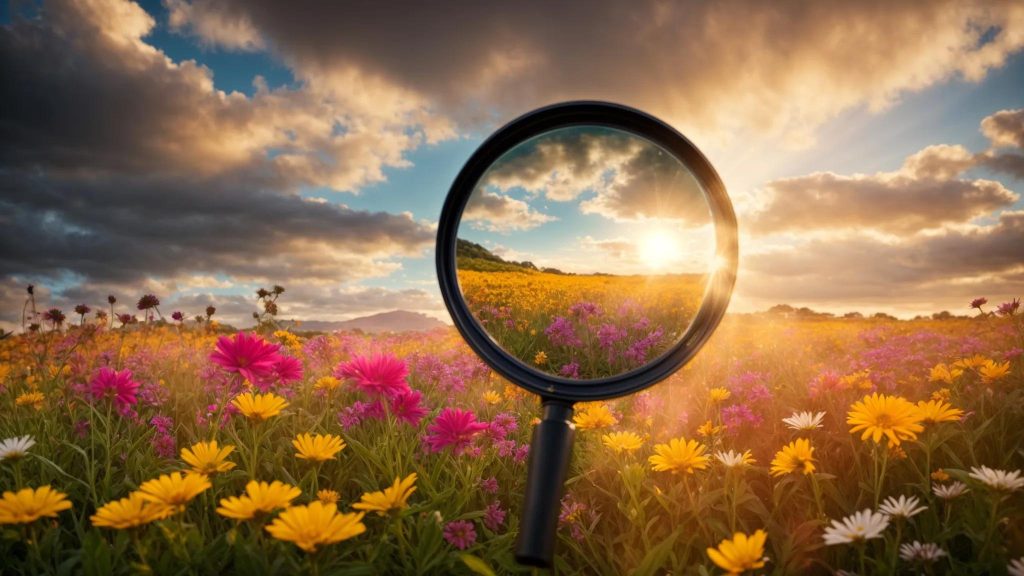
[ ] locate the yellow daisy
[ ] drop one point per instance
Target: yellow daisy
(594, 416)
(327, 383)
(623, 441)
(259, 498)
(740, 554)
(491, 397)
(679, 456)
(174, 490)
(259, 406)
(33, 399)
(207, 457)
(317, 448)
(934, 411)
(993, 371)
(328, 496)
(130, 512)
(717, 395)
(879, 415)
(394, 497)
(316, 524)
(798, 455)
(28, 505)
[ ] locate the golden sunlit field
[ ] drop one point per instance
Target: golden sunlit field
(789, 446)
(582, 326)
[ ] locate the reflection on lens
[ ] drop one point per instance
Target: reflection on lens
(585, 251)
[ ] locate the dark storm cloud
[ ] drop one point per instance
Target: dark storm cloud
(118, 164)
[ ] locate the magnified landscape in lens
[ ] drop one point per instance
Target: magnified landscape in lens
(585, 251)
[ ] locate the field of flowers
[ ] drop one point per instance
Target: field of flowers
(582, 326)
(788, 446)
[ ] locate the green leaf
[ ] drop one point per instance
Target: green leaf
(656, 556)
(476, 564)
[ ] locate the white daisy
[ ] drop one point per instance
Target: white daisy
(863, 525)
(1016, 567)
(952, 490)
(915, 551)
(901, 507)
(1001, 480)
(732, 459)
(804, 420)
(12, 448)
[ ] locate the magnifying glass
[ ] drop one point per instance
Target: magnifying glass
(586, 251)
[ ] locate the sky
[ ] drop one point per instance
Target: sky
(199, 150)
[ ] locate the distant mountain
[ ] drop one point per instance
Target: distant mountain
(472, 256)
(394, 321)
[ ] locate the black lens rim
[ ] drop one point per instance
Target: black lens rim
(610, 115)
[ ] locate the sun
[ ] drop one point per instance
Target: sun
(658, 249)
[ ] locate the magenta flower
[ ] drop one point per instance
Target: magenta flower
(1009, 308)
(494, 516)
(377, 375)
(489, 485)
(460, 533)
(979, 302)
(247, 354)
(116, 386)
(453, 427)
(288, 369)
(407, 407)
(562, 333)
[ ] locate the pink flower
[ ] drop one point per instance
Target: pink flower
(114, 385)
(453, 427)
(1009, 308)
(489, 485)
(377, 375)
(287, 370)
(494, 516)
(460, 533)
(406, 407)
(247, 354)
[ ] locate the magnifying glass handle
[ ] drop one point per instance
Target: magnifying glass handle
(550, 452)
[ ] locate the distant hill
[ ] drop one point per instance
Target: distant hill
(394, 321)
(472, 256)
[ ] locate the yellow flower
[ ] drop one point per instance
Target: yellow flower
(316, 524)
(797, 455)
(394, 497)
(708, 429)
(540, 358)
(318, 448)
(174, 490)
(740, 554)
(880, 415)
(942, 394)
(207, 457)
(940, 475)
(328, 496)
(993, 371)
(491, 397)
(935, 411)
(943, 373)
(594, 416)
(679, 456)
(328, 383)
(976, 361)
(33, 399)
(259, 406)
(28, 505)
(623, 441)
(259, 497)
(719, 395)
(130, 512)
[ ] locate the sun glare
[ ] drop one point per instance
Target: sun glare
(658, 249)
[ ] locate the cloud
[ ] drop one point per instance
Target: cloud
(1005, 128)
(214, 25)
(499, 213)
(122, 167)
(709, 68)
(612, 173)
(924, 194)
(978, 260)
